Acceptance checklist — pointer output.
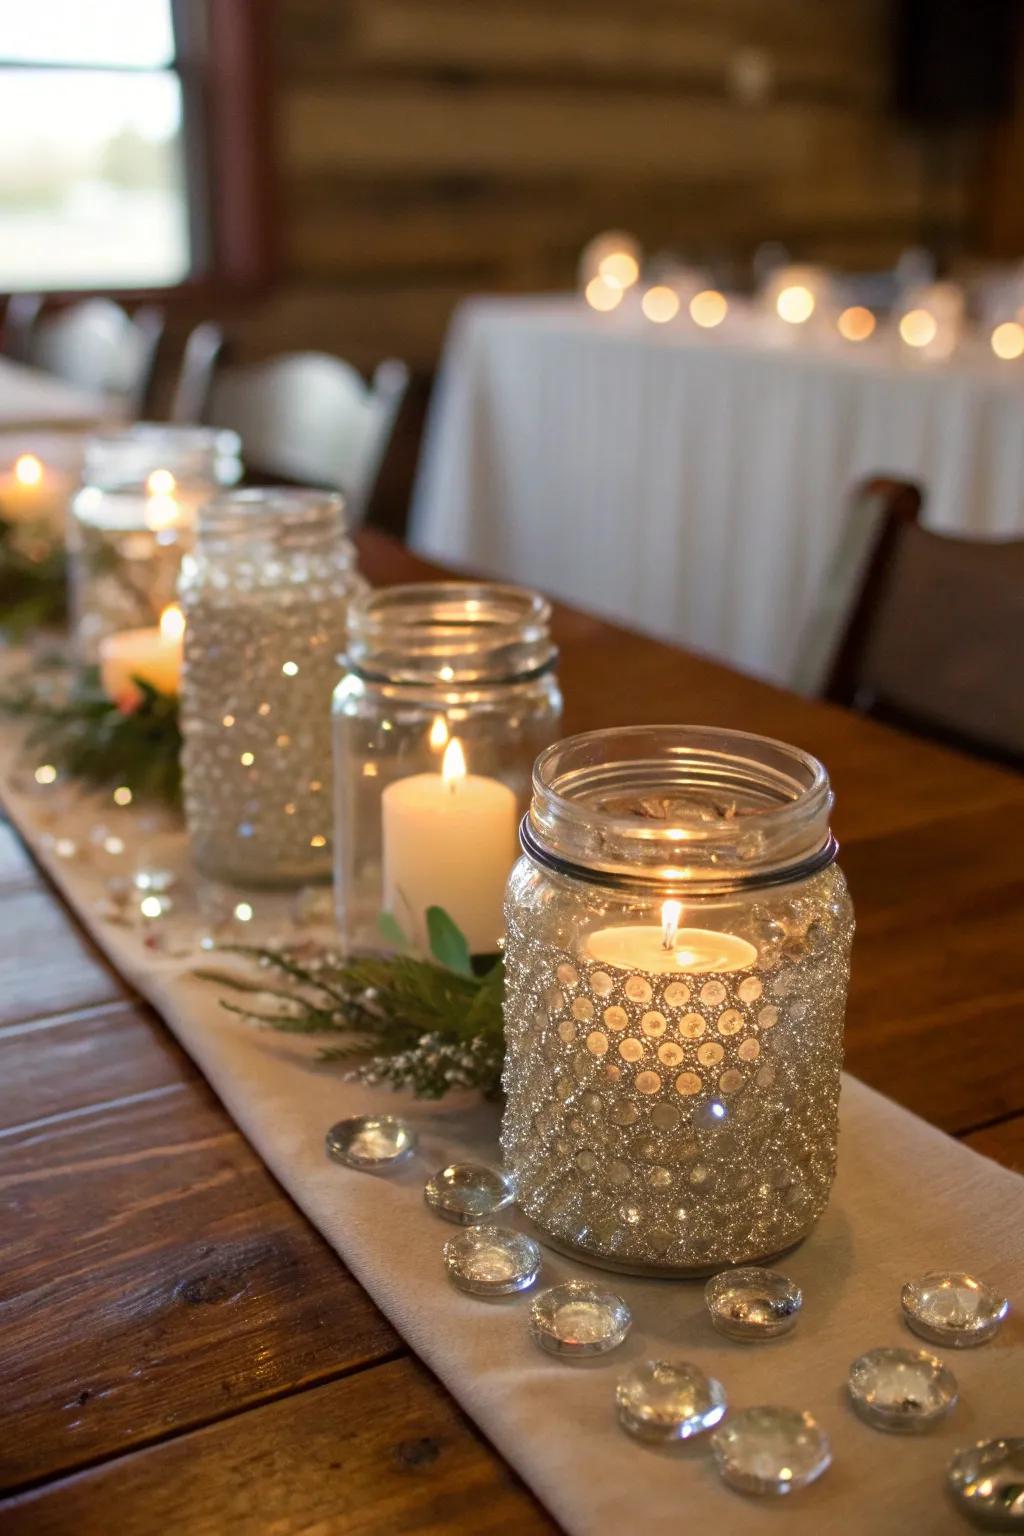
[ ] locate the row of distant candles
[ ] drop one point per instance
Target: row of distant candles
(610, 267)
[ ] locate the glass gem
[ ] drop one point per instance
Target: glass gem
(903, 1390)
(947, 1307)
(492, 1261)
(987, 1484)
(374, 1142)
(469, 1192)
(752, 1304)
(770, 1450)
(579, 1318)
(668, 1400)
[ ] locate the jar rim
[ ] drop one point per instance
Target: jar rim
(450, 632)
(680, 806)
(284, 508)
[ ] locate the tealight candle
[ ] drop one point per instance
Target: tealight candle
(33, 492)
(449, 840)
(150, 656)
(669, 948)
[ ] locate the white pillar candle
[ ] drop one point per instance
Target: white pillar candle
(151, 655)
(449, 840)
(661, 949)
(33, 492)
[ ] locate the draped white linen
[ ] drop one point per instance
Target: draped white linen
(695, 484)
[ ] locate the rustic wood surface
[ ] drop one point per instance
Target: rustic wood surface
(181, 1351)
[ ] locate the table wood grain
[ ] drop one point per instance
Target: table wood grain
(181, 1350)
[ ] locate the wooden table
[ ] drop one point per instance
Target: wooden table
(30, 399)
(181, 1351)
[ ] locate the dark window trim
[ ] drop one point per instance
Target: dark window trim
(222, 58)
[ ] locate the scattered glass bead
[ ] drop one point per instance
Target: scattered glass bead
(987, 1483)
(579, 1318)
(902, 1389)
(752, 1304)
(469, 1192)
(372, 1142)
(668, 1400)
(492, 1261)
(770, 1450)
(947, 1307)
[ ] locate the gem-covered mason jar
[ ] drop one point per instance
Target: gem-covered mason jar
(676, 966)
(265, 593)
(449, 695)
(132, 520)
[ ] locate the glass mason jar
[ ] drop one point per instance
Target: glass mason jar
(265, 594)
(449, 695)
(133, 519)
(676, 966)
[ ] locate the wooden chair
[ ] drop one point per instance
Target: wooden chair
(311, 418)
(202, 355)
(934, 640)
(20, 317)
(99, 346)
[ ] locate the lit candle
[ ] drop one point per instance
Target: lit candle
(449, 840)
(152, 656)
(31, 492)
(667, 948)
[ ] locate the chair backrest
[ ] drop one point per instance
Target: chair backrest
(20, 317)
(97, 345)
(312, 418)
(200, 358)
(935, 635)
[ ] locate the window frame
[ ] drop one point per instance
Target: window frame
(222, 61)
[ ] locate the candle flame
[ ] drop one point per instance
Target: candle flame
(453, 764)
(671, 912)
(161, 483)
(439, 733)
(161, 512)
(795, 305)
(172, 623)
(28, 470)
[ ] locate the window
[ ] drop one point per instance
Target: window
(94, 179)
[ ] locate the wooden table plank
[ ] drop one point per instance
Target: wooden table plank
(156, 1277)
(381, 1453)
(1004, 1142)
(47, 965)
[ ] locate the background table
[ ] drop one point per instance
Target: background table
(180, 1350)
(30, 399)
(693, 484)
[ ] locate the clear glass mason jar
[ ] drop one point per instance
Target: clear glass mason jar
(133, 519)
(449, 695)
(265, 593)
(676, 966)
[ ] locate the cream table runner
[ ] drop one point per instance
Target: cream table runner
(907, 1199)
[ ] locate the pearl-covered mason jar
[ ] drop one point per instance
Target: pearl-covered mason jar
(676, 966)
(133, 519)
(449, 694)
(265, 593)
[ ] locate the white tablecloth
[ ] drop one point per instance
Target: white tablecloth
(695, 484)
(31, 399)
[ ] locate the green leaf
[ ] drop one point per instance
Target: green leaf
(448, 943)
(390, 930)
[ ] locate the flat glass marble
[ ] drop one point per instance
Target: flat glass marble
(371, 1142)
(770, 1450)
(666, 1400)
(987, 1484)
(752, 1304)
(951, 1308)
(469, 1192)
(579, 1318)
(492, 1261)
(902, 1390)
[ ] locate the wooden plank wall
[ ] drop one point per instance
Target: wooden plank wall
(431, 148)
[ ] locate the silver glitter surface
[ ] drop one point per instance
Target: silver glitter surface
(666, 1123)
(261, 662)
